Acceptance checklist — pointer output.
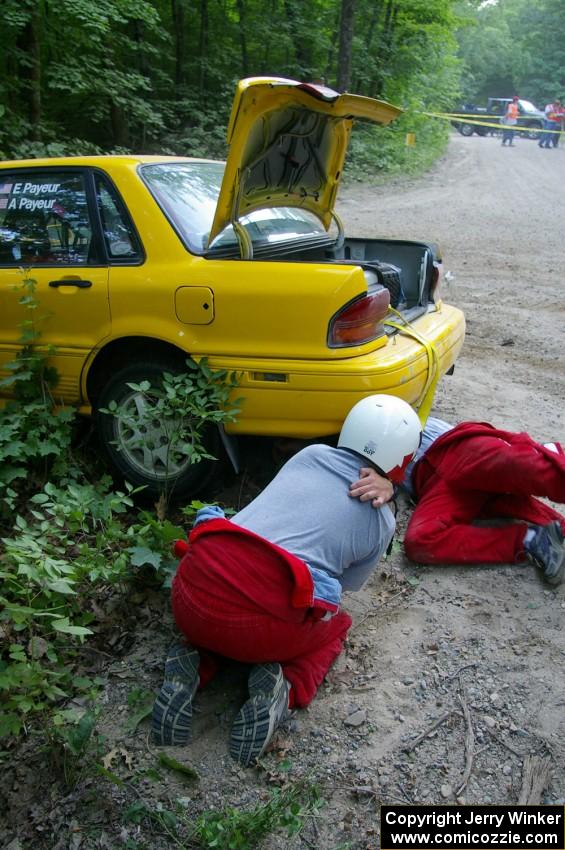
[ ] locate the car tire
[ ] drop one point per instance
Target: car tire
(140, 456)
(466, 129)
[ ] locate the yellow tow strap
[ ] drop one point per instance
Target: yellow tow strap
(424, 403)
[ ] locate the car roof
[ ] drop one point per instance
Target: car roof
(99, 161)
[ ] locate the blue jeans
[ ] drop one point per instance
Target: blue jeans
(508, 133)
(548, 140)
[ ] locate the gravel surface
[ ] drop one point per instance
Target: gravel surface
(452, 676)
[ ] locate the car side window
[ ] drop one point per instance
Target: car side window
(44, 219)
(120, 237)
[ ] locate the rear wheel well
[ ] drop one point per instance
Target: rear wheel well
(124, 352)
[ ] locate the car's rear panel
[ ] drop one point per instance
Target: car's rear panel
(311, 398)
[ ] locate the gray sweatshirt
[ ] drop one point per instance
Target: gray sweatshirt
(308, 511)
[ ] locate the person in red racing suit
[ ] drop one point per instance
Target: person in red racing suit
(264, 588)
(472, 472)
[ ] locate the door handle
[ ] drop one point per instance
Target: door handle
(80, 284)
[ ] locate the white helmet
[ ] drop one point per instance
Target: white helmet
(385, 430)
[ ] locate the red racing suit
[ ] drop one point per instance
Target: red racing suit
(237, 595)
(478, 472)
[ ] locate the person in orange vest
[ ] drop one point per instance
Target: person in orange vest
(509, 121)
(554, 115)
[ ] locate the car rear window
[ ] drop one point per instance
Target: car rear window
(188, 193)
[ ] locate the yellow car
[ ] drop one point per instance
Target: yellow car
(141, 261)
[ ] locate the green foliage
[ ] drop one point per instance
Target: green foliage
(74, 746)
(34, 435)
(67, 542)
(140, 704)
(185, 770)
(511, 48)
(374, 153)
(185, 405)
(155, 76)
(236, 829)
(70, 543)
(158, 815)
(286, 808)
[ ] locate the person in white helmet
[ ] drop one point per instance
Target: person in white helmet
(473, 472)
(265, 587)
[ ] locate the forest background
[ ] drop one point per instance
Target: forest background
(90, 76)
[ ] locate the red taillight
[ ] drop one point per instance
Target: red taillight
(360, 321)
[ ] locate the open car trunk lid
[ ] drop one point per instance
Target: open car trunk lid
(287, 145)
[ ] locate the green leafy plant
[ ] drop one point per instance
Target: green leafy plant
(235, 829)
(140, 704)
(185, 405)
(70, 542)
(35, 436)
(286, 808)
(151, 555)
(66, 545)
(74, 746)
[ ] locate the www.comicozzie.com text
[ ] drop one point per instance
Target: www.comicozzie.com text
(507, 828)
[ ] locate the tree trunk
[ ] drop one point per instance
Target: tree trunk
(120, 129)
(177, 9)
(329, 75)
(30, 45)
(345, 45)
(138, 36)
(376, 11)
(203, 44)
(302, 56)
(242, 37)
(385, 47)
(267, 47)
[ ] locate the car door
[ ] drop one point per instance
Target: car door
(50, 234)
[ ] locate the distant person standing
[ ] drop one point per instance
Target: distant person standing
(559, 117)
(509, 121)
(554, 115)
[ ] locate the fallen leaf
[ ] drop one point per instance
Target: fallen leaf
(116, 753)
(280, 744)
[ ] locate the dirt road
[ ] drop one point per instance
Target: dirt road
(501, 224)
(451, 677)
(498, 214)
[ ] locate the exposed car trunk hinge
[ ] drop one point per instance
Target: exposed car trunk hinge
(245, 244)
(340, 240)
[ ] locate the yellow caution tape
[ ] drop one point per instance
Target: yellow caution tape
(424, 403)
(465, 118)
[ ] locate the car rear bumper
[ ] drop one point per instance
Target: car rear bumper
(310, 398)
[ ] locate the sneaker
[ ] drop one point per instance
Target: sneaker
(547, 549)
(264, 711)
(172, 710)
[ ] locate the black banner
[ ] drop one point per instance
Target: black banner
(472, 827)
